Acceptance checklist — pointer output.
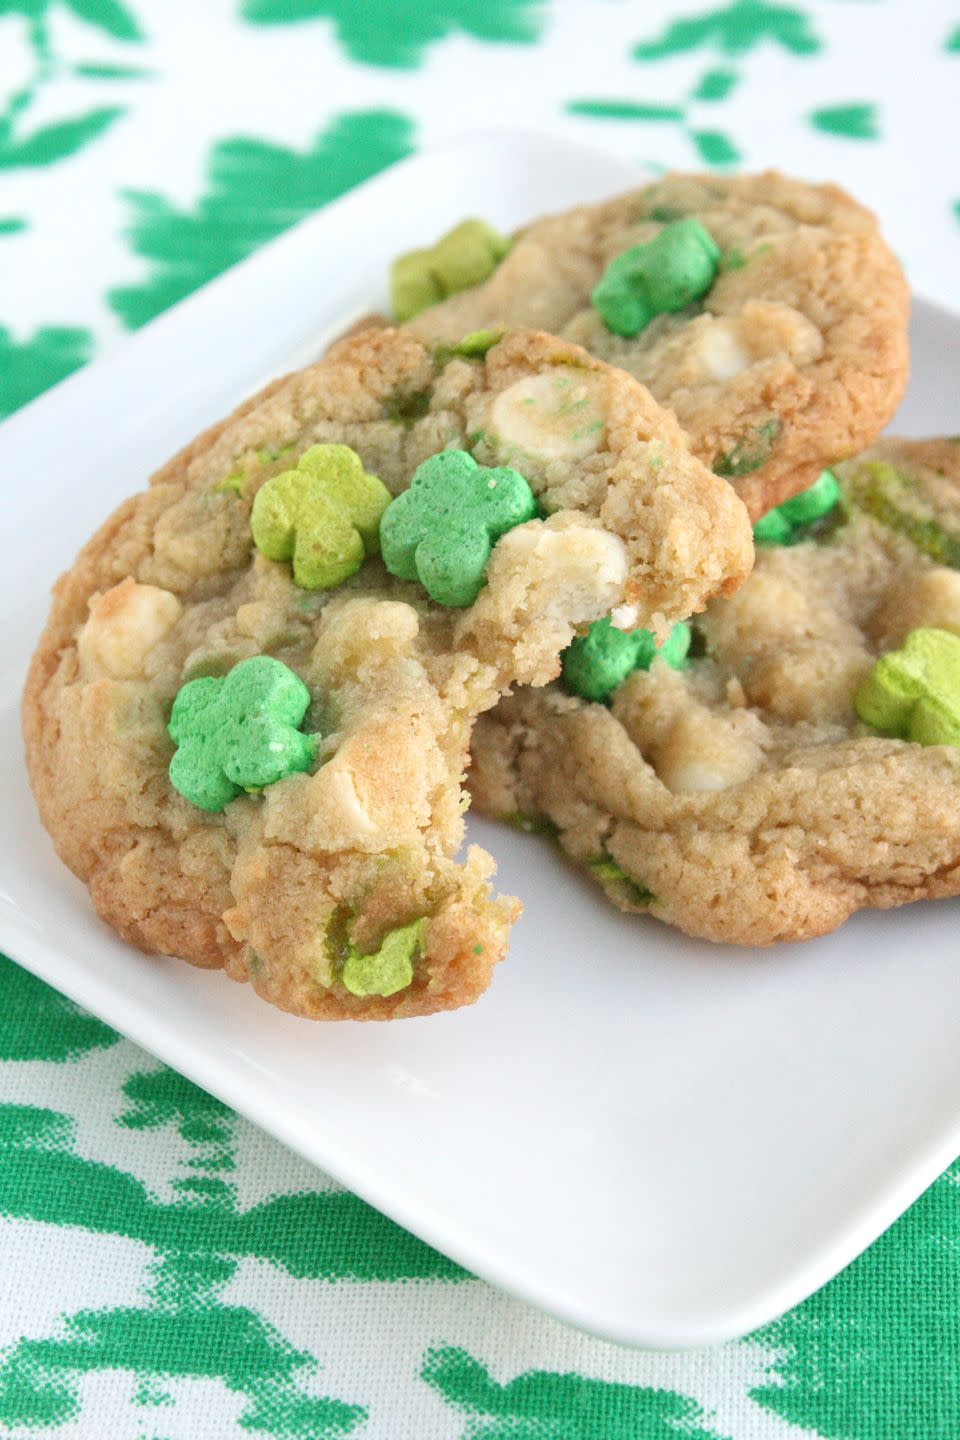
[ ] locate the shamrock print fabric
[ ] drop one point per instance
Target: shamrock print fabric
(168, 1272)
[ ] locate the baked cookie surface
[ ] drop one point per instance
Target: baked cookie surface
(347, 859)
(794, 356)
(742, 798)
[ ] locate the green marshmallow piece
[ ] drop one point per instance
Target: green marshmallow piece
(773, 529)
(784, 524)
(238, 732)
(324, 516)
(665, 274)
(595, 664)
(388, 969)
(466, 255)
(914, 692)
(441, 530)
(413, 285)
(812, 504)
(891, 498)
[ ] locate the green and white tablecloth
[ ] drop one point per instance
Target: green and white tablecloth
(166, 1271)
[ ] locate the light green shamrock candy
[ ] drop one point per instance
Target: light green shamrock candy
(465, 256)
(914, 692)
(442, 529)
(324, 516)
(785, 524)
(238, 732)
(388, 969)
(665, 274)
(596, 663)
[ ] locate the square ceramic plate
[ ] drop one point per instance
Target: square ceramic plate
(663, 1142)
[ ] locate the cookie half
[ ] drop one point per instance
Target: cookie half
(742, 798)
(334, 888)
(793, 356)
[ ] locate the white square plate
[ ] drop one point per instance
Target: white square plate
(663, 1142)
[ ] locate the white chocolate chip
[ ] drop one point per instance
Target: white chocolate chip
(560, 414)
(624, 617)
(577, 571)
(926, 598)
(124, 626)
(721, 350)
(343, 790)
(544, 579)
(705, 752)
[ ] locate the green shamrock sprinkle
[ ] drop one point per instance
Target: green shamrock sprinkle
(665, 274)
(238, 732)
(472, 347)
(324, 516)
(914, 692)
(596, 663)
(441, 530)
(464, 256)
(786, 524)
(750, 452)
(388, 969)
(533, 824)
(231, 484)
(405, 407)
(890, 497)
(618, 884)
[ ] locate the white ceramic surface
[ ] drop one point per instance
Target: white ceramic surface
(663, 1142)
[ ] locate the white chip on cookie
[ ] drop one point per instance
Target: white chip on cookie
(125, 624)
(558, 415)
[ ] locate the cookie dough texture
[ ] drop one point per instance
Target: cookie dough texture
(740, 799)
(281, 886)
(795, 358)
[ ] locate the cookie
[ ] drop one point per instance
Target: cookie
(773, 785)
(247, 721)
(766, 312)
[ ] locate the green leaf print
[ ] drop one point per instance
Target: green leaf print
(183, 1329)
(29, 366)
(94, 70)
(952, 43)
(875, 1355)
(313, 1234)
(715, 148)
(734, 29)
(853, 122)
(549, 1405)
(254, 191)
(39, 1023)
(715, 85)
(12, 225)
(40, 1379)
(712, 146)
(23, 146)
(56, 141)
(30, 9)
(108, 15)
(398, 34)
(624, 110)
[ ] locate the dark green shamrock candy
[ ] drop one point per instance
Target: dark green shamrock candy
(441, 530)
(665, 274)
(239, 732)
(596, 663)
(785, 524)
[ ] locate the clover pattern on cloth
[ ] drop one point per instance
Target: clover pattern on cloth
(168, 1272)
